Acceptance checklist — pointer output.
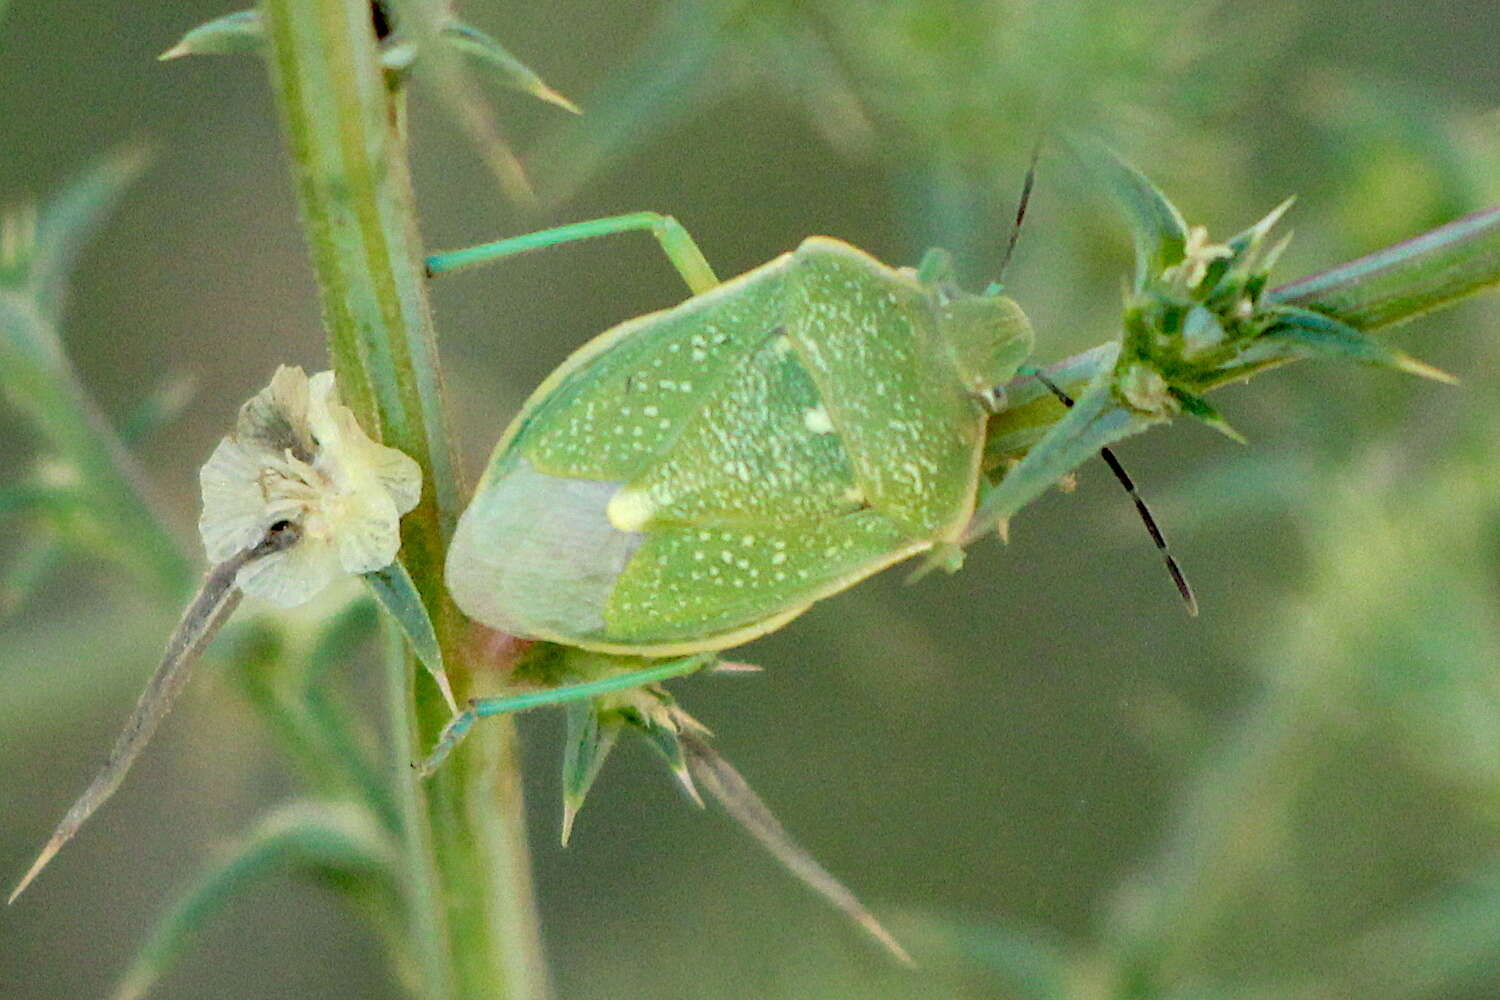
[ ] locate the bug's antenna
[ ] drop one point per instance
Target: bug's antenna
(1184, 588)
(1015, 228)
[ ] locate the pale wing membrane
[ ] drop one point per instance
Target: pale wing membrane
(536, 555)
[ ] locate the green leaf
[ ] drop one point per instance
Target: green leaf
(1156, 227)
(503, 67)
(674, 74)
(70, 220)
(345, 631)
(1095, 421)
(30, 498)
(162, 406)
(312, 838)
(422, 44)
(591, 736)
(666, 739)
(397, 593)
(233, 34)
(1197, 406)
(1027, 963)
(1306, 334)
(37, 378)
(39, 557)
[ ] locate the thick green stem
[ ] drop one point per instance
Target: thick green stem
(1382, 289)
(471, 913)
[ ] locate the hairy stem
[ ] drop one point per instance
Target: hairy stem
(468, 889)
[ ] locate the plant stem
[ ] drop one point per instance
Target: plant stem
(1381, 289)
(471, 912)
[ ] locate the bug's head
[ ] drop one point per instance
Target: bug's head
(989, 336)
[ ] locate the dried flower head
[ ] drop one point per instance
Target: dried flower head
(1198, 253)
(297, 455)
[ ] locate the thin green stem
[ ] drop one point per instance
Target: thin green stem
(42, 382)
(1408, 279)
(468, 891)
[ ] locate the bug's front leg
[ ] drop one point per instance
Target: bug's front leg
(672, 237)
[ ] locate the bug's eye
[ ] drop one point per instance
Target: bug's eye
(993, 398)
(280, 527)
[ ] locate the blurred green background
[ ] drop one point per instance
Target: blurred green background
(1297, 794)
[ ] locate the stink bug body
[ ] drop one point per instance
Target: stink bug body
(700, 476)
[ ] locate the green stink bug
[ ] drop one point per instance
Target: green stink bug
(697, 477)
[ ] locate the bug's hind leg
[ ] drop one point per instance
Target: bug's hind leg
(483, 708)
(674, 240)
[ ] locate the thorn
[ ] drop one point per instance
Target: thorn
(446, 688)
(735, 667)
(1412, 366)
(48, 853)
(685, 779)
(551, 96)
(175, 52)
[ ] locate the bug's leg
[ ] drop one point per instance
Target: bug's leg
(675, 243)
(1179, 578)
(482, 708)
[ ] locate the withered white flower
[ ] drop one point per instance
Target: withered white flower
(297, 455)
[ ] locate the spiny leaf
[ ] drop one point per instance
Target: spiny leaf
(1197, 406)
(673, 75)
(421, 23)
(1303, 333)
(1094, 422)
(731, 790)
(312, 837)
(70, 220)
(1252, 237)
(1157, 228)
(162, 406)
(233, 34)
(505, 68)
(666, 738)
(38, 559)
(397, 593)
(561, 694)
(590, 739)
(1027, 963)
